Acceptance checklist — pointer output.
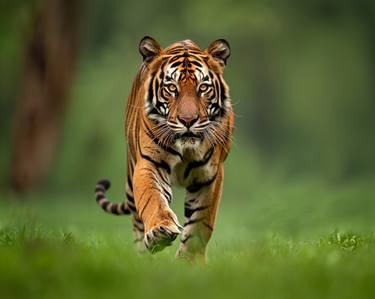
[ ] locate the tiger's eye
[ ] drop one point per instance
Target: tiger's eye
(171, 87)
(203, 87)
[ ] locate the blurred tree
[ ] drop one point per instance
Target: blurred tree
(263, 123)
(51, 53)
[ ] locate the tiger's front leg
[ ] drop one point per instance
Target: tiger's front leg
(201, 204)
(152, 194)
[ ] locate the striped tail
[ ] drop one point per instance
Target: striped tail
(108, 206)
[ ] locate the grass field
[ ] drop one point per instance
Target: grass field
(300, 240)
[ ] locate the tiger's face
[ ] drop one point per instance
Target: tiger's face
(186, 94)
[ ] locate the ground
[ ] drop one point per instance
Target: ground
(300, 240)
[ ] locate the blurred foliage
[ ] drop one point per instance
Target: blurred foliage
(301, 76)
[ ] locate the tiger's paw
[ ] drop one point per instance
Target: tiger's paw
(161, 236)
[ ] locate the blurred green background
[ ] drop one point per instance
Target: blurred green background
(301, 169)
(301, 77)
(302, 82)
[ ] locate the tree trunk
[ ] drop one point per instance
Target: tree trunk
(50, 58)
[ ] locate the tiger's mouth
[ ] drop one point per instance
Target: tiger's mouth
(188, 137)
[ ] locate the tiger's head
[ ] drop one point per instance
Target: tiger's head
(186, 97)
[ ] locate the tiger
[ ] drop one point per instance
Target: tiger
(179, 123)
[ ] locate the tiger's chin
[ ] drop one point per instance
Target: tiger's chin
(188, 141)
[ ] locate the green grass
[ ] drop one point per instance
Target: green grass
(300, 240)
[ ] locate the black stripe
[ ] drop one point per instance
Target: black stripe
(100, 196)
(105, 183)
(168, 195)
(223, 97)
(100, 188)
(136, 218)
(190, 222)
(124, 209)
(175, 51)
(158, 106)
(145, 205)
(217, 90)
(104, 205)
(175, 64)
(154, 110)
(165, 192)
(151, 91)
(196, 186)
(132, 208)
(130, 184)
(208, 226)
(175, 58)
(157, 142)
(114, 209)
(190, 201)
(139, 226)
(211, 97)
(130, 198)
(161, 75)
(156, 88)
(196, 164)
(161, 164)
(196, 57)
(183, 241)
(189, 212)
(196, 63)
(163, 179)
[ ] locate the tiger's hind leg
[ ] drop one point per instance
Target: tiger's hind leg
(138, 232)
(201, 204)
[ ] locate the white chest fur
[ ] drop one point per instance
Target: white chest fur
(197, 165)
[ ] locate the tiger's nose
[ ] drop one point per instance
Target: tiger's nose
(188, 120)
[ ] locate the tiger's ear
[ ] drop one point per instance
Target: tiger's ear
(149, 48)
(220, 50)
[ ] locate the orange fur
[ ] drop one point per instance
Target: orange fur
(157, 158)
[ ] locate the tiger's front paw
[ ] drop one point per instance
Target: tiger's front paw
(161, 236)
